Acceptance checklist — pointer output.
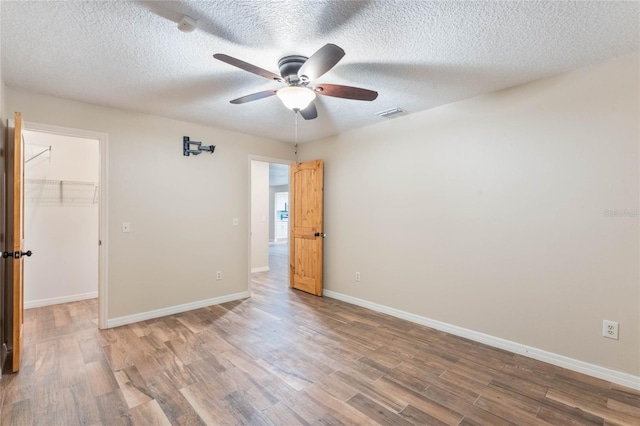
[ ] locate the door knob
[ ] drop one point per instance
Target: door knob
(16, 254)
(319, 234)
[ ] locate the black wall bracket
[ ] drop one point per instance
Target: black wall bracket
(195, 148)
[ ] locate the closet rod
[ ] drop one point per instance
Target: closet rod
(38, 154)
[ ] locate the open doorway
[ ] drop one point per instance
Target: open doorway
(61, 218)
(61, 208)
(269, 217)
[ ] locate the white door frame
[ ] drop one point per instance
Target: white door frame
(266, 160)
(103, 211)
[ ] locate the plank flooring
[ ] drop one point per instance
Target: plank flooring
(284, 357)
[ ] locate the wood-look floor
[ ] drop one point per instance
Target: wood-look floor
(284, 357)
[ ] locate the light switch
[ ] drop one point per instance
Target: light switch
(235, 221)
(125, 227)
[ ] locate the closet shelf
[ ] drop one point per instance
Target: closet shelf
(60, 192)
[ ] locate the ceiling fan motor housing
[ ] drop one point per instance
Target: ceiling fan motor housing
(289, 66)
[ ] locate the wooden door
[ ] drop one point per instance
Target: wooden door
(306, 226)
(16, 240)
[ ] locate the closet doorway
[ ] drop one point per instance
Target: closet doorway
(61, 218)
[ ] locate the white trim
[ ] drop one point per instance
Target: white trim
(613, 376)
(57, 300)
(260, 269)
(103, 268)
(143, 316)
(103, 231)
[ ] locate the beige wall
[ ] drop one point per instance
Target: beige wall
(3, 236)
(181, 209)
(3, 107)
(259, 216)
(3, 117)
(490, 213)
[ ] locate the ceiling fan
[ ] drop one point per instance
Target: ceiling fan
(298, 72)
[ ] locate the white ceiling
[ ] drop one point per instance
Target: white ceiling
(416, 54)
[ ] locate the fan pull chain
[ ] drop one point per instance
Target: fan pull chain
(296, 137)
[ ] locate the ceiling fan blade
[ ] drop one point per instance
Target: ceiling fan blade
(247, 66)
(254, 97)
(347, 92)
(320, 62)
(310, 112)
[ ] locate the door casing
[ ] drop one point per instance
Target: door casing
(103, 220)
(266, 160)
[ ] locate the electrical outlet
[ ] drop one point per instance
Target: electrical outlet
(126, 227)
(218, 275)
(235, 221)
(358, 276)
(610, 329)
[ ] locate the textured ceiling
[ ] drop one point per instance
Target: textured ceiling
(416, 54)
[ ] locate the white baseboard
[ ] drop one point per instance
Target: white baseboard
(57, 300)
(260, 269)
(143, 316)
(613, 376)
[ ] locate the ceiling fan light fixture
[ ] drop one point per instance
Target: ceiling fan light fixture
(296, 98)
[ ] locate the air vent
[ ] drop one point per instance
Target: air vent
(390, 112)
